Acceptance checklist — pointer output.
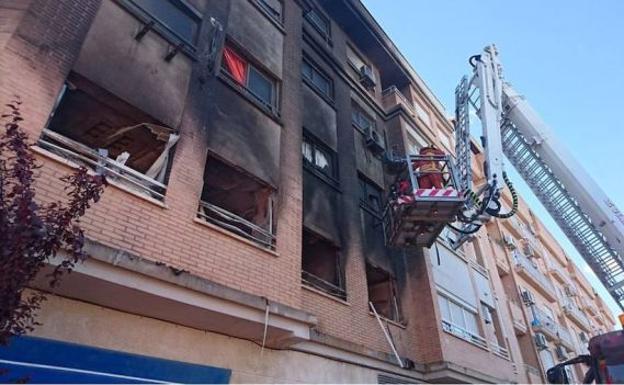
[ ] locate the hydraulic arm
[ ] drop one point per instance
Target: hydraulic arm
(586, 215)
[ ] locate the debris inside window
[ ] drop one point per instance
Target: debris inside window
(321, 265)
(237, 202)
(382, 292)
(92, 127)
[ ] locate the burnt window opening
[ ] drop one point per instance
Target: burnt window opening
(319, 22)
(255, 82)
(383, 293)
(370, 196)
(319, 158)
(94, 128)
(321, 265)
(237, 202)
(317, 79)
(175, 17)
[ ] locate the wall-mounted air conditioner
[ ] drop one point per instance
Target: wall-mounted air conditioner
(527, 297)
(540, 341)
(374, 141)
(367, 77)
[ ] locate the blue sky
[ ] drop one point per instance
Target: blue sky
(566, 57)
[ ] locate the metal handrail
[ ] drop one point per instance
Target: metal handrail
(464, 334)
(79, 152)
(323, 285)
(236, 224)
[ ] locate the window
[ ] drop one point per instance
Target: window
(321, 265)
(320, 22)
(370, 195)
(318, 157)
(382, 292)
(361, 119)
(175, 15)
(317, 80)
(355, 60)
(272, 7)
(459, 320)
(237, 202)
(96, 129)
(259, 85)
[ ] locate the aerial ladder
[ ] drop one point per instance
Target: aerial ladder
(510, 127)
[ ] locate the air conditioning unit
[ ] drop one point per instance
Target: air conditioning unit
(529, 250)
(374, 142)
(367, 77)
(583, 337)
(561, 352)
(509, 241)
(540, 341)
(527, 297)
(570, 291)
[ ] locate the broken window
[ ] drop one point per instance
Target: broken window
(94, 128)
(237, 202)
(382, 292)
(321, 265)
(257, 83)
(318, 157)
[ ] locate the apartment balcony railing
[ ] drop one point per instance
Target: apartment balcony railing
(517, 317)
(529, 270)
(464, 334)
(392, 97)
(566, 339)
(234, 223)
(116, 172)
(499, 350)
(576, 315)
(543, 323)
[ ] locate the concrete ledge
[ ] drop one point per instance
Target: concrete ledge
(446, 372)
(120, 280)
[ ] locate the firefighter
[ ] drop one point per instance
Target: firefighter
(429, 171)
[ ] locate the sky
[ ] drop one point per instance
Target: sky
(565, 57)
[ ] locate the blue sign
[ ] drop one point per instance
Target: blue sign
(39, 360)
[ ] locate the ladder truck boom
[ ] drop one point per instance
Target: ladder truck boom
(586, 215)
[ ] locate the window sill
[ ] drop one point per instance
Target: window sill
(59, 159)
(323, 294)
(236, 237)
(242, 91)
(279, 25)
(398, 324)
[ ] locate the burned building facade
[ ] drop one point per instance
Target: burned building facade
(241, 238)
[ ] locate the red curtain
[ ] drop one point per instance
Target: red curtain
(235, 65)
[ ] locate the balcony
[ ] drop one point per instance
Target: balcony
(576, 315)
(502, 264)
(464, 334)
(392, 98)
(543, 323)
(517, 318)
(529, 270)
(566, 339)
(499, 350)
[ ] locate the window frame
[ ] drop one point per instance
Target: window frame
(325, 33)
(310, 81)
(394, 294)
(365, 186)
(164, 29)
(357, 109)
(270, 12)
(274, 107)
(340, 268)
(318, 145)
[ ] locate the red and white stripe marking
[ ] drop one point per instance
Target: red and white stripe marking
(434, 192)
